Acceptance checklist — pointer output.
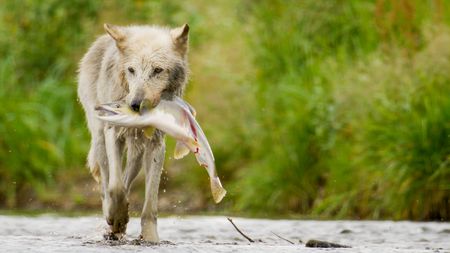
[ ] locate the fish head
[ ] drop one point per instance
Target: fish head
(114, 108)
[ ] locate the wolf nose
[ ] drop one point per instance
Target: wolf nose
(136, 105)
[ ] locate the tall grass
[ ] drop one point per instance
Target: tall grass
(42, 129)
(327, 108)
(296, 113)
(334, 138)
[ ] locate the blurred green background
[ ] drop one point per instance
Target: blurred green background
(324, 109)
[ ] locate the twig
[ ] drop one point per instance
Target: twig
(240, 232)
(289, 241)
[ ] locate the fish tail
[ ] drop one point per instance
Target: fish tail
(217, 190)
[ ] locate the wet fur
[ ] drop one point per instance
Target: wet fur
(104, 77)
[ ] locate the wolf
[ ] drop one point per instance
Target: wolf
(140, 65)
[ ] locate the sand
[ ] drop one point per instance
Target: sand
(49, 233)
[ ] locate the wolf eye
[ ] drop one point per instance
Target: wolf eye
(157, 70)
(131, 70)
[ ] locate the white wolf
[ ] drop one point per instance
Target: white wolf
(138, 64)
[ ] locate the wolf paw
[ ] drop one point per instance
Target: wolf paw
(117, 213)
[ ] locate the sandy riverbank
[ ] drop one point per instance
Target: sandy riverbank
(215, 234)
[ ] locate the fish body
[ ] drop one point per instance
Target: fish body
(167, 117)
(176, 119)
(204, 154)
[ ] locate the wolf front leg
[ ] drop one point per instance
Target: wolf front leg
(117, 204)
(153, 162)
(135, 151)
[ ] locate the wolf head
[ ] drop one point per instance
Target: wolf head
(153, 62)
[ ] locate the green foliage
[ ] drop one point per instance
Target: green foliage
(294, 142)
(45, 33)
(338, 140)
(408, 136)
(328, 108)
(42, 129)
(415, 151)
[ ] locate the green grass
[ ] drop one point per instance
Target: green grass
(329, 109)
(333, 137)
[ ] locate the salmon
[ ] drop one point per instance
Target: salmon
(176, 119)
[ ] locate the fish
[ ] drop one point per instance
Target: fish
(176, 118)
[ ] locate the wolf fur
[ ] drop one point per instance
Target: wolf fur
(141, 65)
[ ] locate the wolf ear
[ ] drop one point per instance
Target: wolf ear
(180, 36)
(117, 34)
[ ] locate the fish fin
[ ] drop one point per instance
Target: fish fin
(180, 150)
(217, 190)
(148, 132)
(192, 145)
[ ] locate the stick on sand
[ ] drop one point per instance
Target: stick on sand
(240, 232)
(279, 236)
